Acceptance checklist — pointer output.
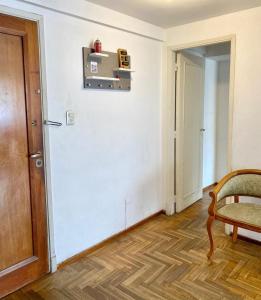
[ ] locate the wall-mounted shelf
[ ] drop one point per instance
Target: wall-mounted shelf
(123, 70)
(102, 78)
(97, 54)
(104, 74)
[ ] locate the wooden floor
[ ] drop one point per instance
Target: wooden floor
(162, 259)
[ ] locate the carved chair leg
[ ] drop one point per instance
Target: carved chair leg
(235, 228)
(209, 228)
(234, 235)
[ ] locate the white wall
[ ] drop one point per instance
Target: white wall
(209, 137)
(246, 25)
(105, 169)
(222, 104)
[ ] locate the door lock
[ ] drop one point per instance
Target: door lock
(39, 163)
(38, 157)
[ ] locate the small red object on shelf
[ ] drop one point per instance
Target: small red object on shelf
(98, 46)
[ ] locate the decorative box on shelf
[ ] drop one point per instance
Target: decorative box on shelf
(101, 71)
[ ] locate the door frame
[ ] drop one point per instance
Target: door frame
(168, 113)
(46, 147)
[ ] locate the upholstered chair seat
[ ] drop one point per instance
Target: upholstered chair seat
(248, 213)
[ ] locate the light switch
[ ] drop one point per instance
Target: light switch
(70, 117)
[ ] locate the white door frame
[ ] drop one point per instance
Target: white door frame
(49, 212)
(168, 114)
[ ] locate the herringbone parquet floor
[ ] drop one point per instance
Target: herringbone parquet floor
(162, 259)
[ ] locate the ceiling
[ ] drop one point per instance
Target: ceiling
(168, 13)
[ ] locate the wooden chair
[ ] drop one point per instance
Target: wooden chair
(244, 215)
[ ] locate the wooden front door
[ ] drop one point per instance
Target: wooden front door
(23, 226)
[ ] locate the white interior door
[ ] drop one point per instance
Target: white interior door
(189, 108)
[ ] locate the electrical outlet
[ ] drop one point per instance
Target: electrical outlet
(70, 117)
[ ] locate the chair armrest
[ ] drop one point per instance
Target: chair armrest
(214, 194)
(213, 204)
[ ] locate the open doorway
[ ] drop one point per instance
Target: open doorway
(202, 119)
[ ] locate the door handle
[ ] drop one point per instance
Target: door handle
(52, 123)
(36, 155)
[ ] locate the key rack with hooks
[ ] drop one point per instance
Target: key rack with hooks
(102, 71)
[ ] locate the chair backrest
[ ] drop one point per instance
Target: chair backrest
(242, 185)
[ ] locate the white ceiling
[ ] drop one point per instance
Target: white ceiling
(168, 13)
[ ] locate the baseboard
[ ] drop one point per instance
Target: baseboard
(53, 264)
(105, 242)
(211, 186)
(247, 239)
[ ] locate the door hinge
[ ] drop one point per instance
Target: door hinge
(176, 67)
(175, 134)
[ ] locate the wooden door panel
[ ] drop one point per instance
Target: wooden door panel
(15, 205)
(23, 234)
